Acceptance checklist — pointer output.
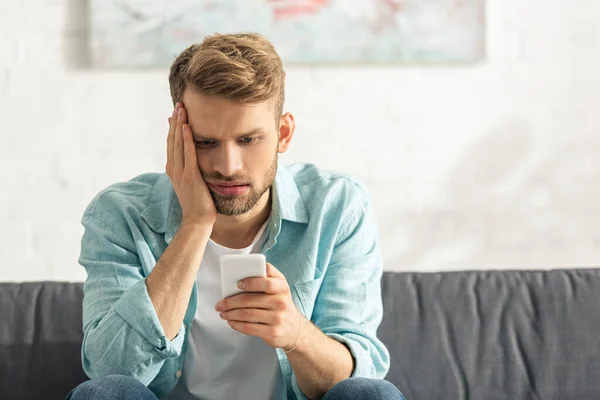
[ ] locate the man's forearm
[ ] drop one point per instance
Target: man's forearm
(319, 362)
(171, 281)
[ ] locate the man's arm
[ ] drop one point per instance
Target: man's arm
(170, 283)
(347, 312)
(319, 362)
(268, 312)
(123, 330)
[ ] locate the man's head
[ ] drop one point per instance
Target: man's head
(232, 87)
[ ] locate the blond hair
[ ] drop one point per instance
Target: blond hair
(241, 67)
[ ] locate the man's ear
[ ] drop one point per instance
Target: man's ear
(287, 125)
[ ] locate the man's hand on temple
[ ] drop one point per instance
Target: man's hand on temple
(182, 168)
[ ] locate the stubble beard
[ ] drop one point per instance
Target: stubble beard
(238, 205)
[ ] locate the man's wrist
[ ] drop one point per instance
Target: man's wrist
(200, 228)
(301, 346)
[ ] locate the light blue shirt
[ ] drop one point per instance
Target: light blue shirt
(322, 236)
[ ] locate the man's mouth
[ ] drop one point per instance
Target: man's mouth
(231, 189)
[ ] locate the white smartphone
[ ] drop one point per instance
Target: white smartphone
(235, 267)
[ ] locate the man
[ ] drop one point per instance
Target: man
(153, 318)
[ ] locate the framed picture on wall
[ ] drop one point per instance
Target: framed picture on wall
(149, 33)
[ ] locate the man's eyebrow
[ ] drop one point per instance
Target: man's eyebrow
(198, 136)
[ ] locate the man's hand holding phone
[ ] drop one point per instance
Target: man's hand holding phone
(266, 310)
(192, 191)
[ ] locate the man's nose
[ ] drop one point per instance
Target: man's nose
(228, 160)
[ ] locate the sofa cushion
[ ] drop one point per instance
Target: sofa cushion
(40, 339)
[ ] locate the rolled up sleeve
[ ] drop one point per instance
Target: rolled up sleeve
(122, 333)
(137, 310)
(349, 307)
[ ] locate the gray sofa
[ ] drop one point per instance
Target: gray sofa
(455, 335)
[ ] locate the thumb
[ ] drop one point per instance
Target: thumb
(273, 272)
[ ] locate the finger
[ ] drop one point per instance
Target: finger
(251, 329)
(274, 272)
(264, 285)
(254, 315)
(189, 150)
(170, 139)
(245, 300)
(178, 150)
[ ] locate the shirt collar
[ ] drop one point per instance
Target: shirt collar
(163, 214)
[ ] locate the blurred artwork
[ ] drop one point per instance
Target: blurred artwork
(150, 33)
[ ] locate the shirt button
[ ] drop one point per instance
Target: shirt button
(178, 373)
(184, 326)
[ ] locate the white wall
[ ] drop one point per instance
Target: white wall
(494, 165)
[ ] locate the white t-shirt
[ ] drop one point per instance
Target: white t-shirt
(221, 363)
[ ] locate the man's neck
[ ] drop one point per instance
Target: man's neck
(238, 232)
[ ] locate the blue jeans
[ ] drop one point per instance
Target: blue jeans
(118, 387)
(111, 387)
(364, 388)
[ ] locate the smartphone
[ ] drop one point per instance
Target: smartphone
(235, 267)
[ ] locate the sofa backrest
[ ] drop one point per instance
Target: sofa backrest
(454, 335)
(494, 335)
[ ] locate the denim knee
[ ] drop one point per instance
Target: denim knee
(364, 388)
(111, 387)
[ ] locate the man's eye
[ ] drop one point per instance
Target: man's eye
(204, 143)
(247, 140)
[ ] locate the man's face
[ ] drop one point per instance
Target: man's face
(236, 146)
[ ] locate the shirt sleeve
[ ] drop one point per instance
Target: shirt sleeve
(349, 306)
(122, 333)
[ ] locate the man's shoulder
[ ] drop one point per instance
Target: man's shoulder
(132, 196)
(323, 186)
